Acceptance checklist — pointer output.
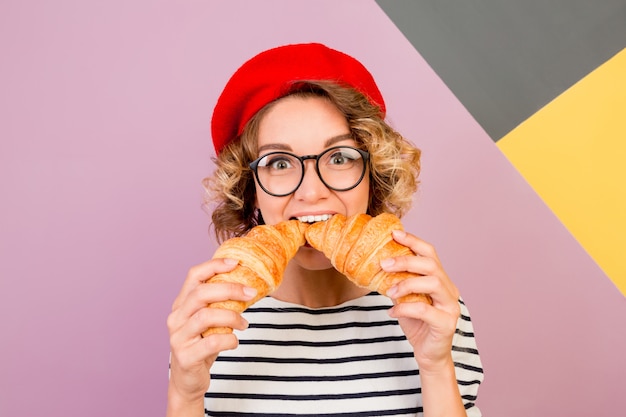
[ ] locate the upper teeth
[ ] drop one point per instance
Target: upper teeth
(312, 219)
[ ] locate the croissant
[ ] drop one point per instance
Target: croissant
(355, 246)
(263, 254)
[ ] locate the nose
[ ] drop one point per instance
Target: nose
(312, 188)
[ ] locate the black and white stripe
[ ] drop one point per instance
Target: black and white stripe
(350, 360)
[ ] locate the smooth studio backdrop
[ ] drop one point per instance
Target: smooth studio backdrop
(104, 139)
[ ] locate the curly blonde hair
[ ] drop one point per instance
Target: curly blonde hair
(394, 163)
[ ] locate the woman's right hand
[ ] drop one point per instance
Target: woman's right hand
(191, 354)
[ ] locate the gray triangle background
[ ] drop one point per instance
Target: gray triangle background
(506, 59)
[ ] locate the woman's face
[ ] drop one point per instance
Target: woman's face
(307, 126)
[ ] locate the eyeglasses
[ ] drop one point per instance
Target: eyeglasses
(340, 168)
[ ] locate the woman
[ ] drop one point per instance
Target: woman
(319, 345)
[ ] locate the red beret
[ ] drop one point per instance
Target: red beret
(270, 75)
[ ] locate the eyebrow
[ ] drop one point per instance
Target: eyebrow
(285, 147)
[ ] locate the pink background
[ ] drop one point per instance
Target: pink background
(104, 138)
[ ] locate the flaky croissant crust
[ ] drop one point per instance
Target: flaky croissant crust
(263, 254)
(355, 246)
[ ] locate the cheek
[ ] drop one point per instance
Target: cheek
(271, 207)
(357, 199)
(262, 199)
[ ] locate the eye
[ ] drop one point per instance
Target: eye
(277, 162)
(338, 158)
(343, 157)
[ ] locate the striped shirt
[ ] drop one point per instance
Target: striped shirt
(348, 360)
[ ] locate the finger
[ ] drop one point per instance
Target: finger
(204, 319)
(433, 286)
(441, 321)
(214, 292)
(202, 272)
(420, 265)
(427, 264)
(417, 245)
(203, 295)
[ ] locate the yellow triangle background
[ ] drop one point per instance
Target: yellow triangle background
(573, 153)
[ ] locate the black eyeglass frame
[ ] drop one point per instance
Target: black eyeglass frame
(364, 155)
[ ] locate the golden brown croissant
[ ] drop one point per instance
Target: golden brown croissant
(355, 247)
(263, 254)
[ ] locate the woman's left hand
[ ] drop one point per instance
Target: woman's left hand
(429, 329)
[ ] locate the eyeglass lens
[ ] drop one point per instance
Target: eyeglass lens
(339, 168)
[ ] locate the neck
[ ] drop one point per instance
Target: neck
(316, 288)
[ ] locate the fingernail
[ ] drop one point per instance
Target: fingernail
(386, 263)
(229, 261)
(399, 233)
(250, 292)
(391, 292)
